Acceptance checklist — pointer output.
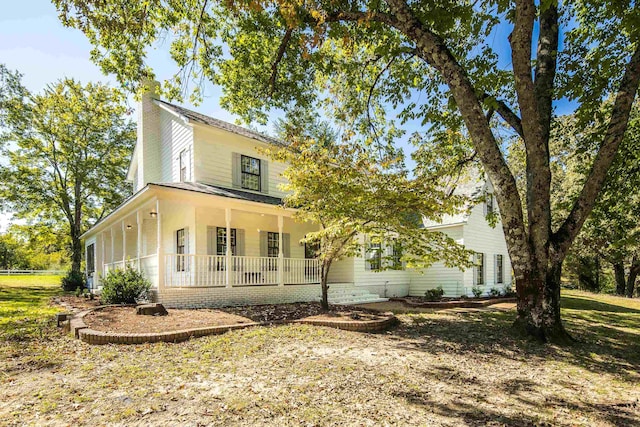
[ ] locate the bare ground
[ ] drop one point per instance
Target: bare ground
(438, 368)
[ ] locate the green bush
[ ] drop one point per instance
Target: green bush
(508, 291)
(72, 281)
(476, 291)
(434, 294)
(124, 287)
(494, 292)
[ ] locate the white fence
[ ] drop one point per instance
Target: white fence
(32, 272)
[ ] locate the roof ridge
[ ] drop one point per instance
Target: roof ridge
(212, 121)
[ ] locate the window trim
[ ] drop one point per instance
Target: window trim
(489, 203)
(243, 173)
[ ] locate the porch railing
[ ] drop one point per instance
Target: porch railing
(212, 270)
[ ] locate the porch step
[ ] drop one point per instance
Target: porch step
(352, 295)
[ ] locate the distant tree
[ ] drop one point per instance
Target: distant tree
(67, 151)
(441, 64)
(362, 205)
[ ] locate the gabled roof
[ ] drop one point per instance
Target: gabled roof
(473, 187)
(194, 116)
(221, 191)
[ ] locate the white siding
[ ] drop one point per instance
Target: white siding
(176, 136)
(479, 236)
(341, 271)
(213, 158)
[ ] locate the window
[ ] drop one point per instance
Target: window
(273, 245)
(375, 256)
(250, 173)
(221, 241)
(91, 260)
(311, 250)
(183, 166)
(499, 269)
(396, 256)
(180, 249)
(480, 269)
(489, 202)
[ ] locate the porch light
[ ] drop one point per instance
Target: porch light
(153, 214)
(128, 226)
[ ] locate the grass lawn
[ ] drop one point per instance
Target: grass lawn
(436, 368)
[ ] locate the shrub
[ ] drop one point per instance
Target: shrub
(476, 291)
(508, 291)
(434, 294)
(124, 287)
(494, 292)
(72, 281)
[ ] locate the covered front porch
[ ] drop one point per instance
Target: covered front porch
(179, 239)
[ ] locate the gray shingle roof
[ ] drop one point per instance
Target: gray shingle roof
(201, 118)
(221, 191)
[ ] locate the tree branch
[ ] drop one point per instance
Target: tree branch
(279, 56)
(618, 123)
(506, 113)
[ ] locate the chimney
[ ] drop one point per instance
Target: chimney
(148, 133)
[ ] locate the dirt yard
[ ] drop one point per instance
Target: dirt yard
(434, 369)
(125, 320)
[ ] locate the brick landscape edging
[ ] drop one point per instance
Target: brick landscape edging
(453, 304)
(91, 336)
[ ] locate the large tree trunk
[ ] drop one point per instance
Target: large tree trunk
(76, 250)
(538, 309)
(618, 269)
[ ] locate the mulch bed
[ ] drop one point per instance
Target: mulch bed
(125, 320)
(274, 313)
(453, 302)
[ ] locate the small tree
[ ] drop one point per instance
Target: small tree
(357, 201)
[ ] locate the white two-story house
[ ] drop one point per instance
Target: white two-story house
(206, 226)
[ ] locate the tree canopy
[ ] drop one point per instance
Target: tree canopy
(374, 65)
(67, 152)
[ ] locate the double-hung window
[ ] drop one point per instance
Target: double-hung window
(489, 202)
(375, 256)
(91, 260)
(221, 241)
(396, 256)
(250, 173)
(180, 249)
(499, 269)
(273, 245)
(480, 268)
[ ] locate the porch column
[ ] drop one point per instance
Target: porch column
(159, 250)
(124, 245)
(113, 245)
(139, 222)
(280, 251)
(102, 257)
(227, 218)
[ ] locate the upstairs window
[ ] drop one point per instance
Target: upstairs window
(183, 165)
(489, 202)
(250, 173)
